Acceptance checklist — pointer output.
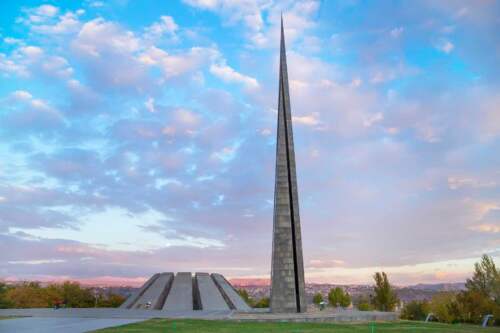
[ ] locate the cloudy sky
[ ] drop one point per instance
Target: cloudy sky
(139, 136)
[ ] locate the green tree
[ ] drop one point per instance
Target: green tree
(385, 298)
(472, 306)
(74, 296)
(415, 310)
(486, 279)
(110, 300)
(4, 303)
(246, 297)
(27, 295)
(262, 303)
(338, 297)
(317, 298)
(444, 307)
(363, 303)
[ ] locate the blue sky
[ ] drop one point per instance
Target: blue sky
(139, 136)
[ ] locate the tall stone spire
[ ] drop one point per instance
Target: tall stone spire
(287, 274)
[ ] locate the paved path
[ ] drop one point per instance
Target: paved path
(113, 313)
(329, 315)
(66, 325)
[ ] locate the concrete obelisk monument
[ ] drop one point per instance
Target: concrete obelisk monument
(287, 273)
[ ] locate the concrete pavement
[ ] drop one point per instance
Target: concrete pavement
(66, 325)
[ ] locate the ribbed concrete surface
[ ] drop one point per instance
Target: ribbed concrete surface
(235, 299)
(129, 302)
(210, 296)
(180, 296)
(155, 292)
(184, 293)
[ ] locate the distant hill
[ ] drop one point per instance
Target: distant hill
(458, 286)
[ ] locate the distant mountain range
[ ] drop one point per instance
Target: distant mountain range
(258, 288)
(436, 287)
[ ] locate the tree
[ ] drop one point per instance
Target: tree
(27, 295)
(110, 301)
(4, 303)
(444, 307)
(246, 297)
(317, 298)
(486, 279)
(76, 297)
(415, 310)
(262, 303)
(385, 298)
(363, 303)
(337, 297)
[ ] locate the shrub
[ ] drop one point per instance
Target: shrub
(262, 303)
(317, 298)
(415, 310)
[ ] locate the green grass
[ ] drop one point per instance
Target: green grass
(209, 326)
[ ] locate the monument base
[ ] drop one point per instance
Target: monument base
(254, 315)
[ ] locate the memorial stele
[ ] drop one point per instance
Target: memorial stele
(287, 271)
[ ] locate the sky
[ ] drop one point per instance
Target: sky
(139, 136)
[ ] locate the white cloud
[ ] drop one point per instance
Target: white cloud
(10, 40)
(166, 25)
(456, 182)
(67, 23)
(228, 74)
(99, 36)
(21, 95)
(445, 46)
(298, 17)
(178, 64)
(36, 262)
(397, 32)
(9, 66)
(371, 119)
(486, 228)
(206, 4)
(150, 104)
(309, 120)
(47, 10)
(31, 52)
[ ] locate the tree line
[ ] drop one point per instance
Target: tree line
(384, 298)
(481, 297)
(67, 294)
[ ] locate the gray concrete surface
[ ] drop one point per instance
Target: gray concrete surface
(130, 301)
(318, 316)
(155, 294)
(210, 296)
(329, 315)
(66, 325)
(109, 313)
(180, 297)
(235, 299)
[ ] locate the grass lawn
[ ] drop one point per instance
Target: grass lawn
(209, 326)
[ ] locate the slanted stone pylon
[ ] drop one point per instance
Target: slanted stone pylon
(287, 273)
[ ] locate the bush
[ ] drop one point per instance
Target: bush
(4, 302)
(317, 298)
(444, 307)
(415, 310)
(246, 297)
(262, 303)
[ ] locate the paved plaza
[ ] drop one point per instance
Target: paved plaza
(66, 325)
